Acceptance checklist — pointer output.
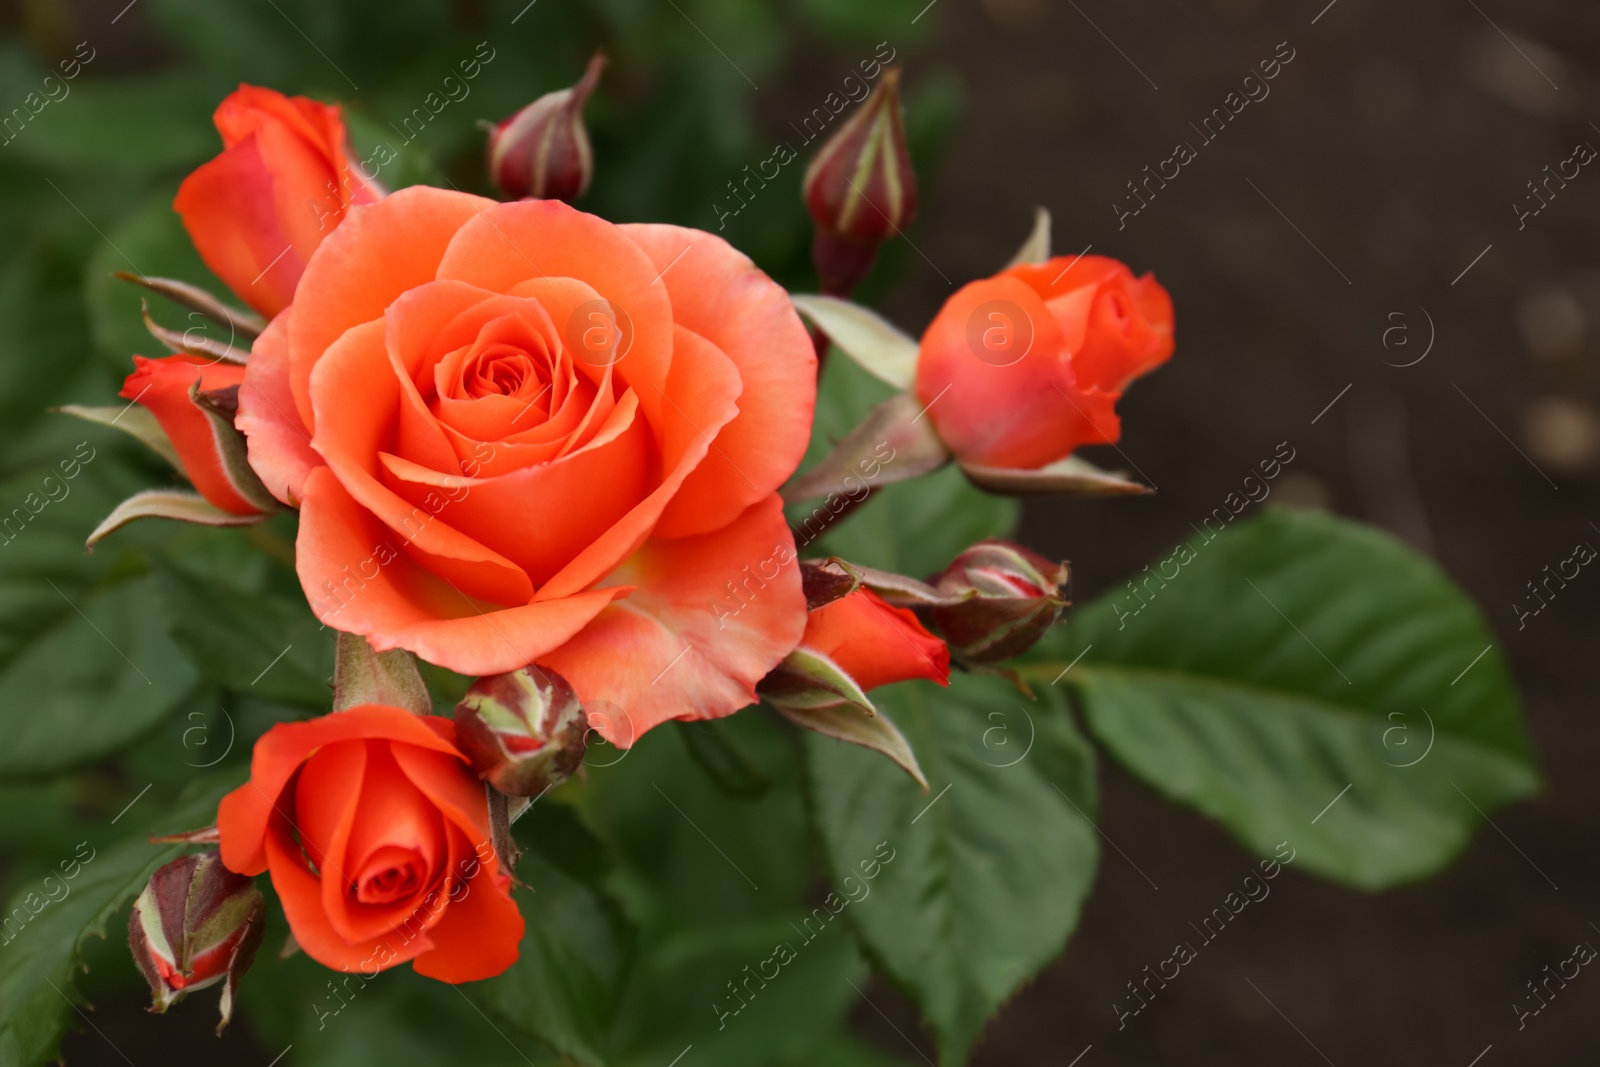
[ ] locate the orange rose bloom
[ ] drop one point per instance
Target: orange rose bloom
(376, 835)
(283, 182)
(874, 643)
(1024, 367)
(162, 387)
(517, 432)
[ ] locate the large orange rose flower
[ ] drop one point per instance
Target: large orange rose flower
(376, 835)
(517, 432)
(1022, 368)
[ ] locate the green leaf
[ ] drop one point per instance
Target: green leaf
(565, 984)
(1307, 679)
(724, 762)
(984, 877)
(46, 923)
(252, 642)
(714, 884)
(877, 345)
(680, 994)
(178, 505)
(1036, 248)
(846, 722)
(138, 422)
(101, 673)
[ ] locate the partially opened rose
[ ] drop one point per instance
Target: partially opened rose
(517, 432)
(162, 387)
(257, 212)
(376, 835)
(1022, 368)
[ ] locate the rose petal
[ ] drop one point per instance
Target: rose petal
(529, 239)
(243, 814)
(703, 382)
(390, 810)
(229, 206)
(710, 616)
(543, 516)
(355, 389)
(481, 930)
(1024, 413)
(341, 555)
(279, 446)
(378, 252)
(719, 294)
(300, 891)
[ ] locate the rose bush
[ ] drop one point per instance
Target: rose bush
(285, 179)
(1022, 368)
(517, 432)
(376, 836)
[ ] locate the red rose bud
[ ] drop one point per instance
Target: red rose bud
(523, 731)
(851, 645)
(543, 150)
(1009, 597)
(196, 924)
(860, 188)
(194, 400)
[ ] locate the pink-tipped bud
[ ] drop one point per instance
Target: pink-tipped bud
(543, 150)
(860, 188)
(196, 924)
(524, 731)
(1009, 597)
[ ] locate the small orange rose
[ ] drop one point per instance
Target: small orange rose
(376, 834)
(1024, 367)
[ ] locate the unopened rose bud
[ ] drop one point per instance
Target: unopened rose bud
(523, 732)
(853, 643)
(1010, 596)
(543, 150)
(860, 188)
(196, 924)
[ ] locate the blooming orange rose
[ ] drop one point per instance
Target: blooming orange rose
(517, 432)
(162, 386)
(282, 183)
(874, 643)
(376, 835)
(1024, 367)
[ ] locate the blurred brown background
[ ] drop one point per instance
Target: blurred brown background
(1395, 143)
